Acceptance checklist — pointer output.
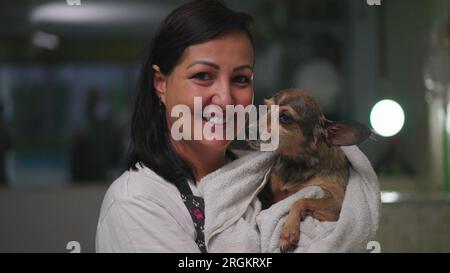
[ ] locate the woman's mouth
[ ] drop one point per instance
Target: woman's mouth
(215, 120)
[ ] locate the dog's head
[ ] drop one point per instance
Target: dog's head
(303, 127)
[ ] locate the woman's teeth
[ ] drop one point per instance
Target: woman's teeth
(215, 120)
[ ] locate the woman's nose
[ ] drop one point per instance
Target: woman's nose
(222, 95)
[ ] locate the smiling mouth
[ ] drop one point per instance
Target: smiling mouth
(215, 120)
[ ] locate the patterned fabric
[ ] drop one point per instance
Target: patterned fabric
(196, 208)
(196, 205)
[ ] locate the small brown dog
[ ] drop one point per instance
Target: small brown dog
(308, 155)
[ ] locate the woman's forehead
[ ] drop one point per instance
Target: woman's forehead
(229, 48)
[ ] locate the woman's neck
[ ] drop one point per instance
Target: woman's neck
(202, 163)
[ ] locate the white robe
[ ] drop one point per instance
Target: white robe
(142, 212)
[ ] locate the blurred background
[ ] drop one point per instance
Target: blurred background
(67, 76)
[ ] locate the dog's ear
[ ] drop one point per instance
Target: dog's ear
(346, 133)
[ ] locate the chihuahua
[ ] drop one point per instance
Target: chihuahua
(308, 154)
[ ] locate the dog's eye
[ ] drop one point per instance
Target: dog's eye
(285, 119)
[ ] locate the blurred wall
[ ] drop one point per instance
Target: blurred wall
(45, 220)
(405, 27)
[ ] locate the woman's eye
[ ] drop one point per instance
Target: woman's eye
(202, 76)
(285, 119)
(241, 79)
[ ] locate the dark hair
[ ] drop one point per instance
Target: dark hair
(192, 23)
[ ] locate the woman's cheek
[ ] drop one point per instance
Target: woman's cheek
(245, 97)
(193, 90)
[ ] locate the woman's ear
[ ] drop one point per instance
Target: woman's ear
(159, 83)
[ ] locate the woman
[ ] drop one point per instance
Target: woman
(202, 49)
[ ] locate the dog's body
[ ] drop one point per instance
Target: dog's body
(288, 177)
(308, 155)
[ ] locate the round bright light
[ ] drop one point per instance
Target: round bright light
(387, 118)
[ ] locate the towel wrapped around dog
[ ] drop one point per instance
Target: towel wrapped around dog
(235, 222)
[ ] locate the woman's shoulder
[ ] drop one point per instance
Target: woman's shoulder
(138, 205)
(142, 184)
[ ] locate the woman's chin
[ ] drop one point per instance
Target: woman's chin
(219, 144)
(216, 139)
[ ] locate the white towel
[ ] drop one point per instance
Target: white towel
(234, 221)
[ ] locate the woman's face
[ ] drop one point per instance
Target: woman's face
(219, 71)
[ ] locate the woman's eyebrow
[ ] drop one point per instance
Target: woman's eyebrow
(213, 65)
(242, 67)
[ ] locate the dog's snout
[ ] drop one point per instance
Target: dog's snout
(269, 101)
